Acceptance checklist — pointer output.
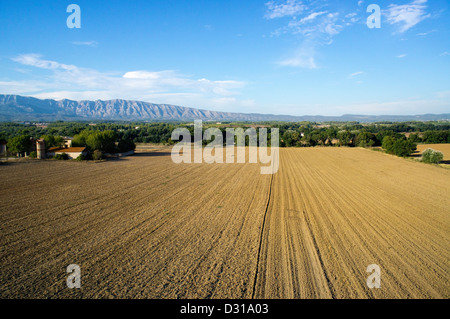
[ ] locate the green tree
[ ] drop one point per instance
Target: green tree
(80, 139)
(388, 144)
(96, 140)
(108, 140)
(365, 139)
(399, 147)
(345, 138)
(432, 156)
(415, 138)
(53, 141)
(19, 144)
(404, 148)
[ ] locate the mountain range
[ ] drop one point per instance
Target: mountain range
(24, 108)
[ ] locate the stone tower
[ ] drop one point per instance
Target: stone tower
(40, 148)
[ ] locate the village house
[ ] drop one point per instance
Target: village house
(72, 152)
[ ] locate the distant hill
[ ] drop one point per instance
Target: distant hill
(23, 108)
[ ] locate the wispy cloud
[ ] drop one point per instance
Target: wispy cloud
(314, 23)
(86, 43)
(312, 26)
(407, 15)
(444, 54)
(401, 56)
(311, 17)
(37, 61)
(353, 75)
(168, 86)
(288, 8)
(423, 34)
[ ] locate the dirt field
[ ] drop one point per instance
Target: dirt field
(144, 227)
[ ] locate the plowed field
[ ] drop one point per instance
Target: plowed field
(144, 227)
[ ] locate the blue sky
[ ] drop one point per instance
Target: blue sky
(279, 57)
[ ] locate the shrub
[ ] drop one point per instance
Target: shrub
(33, 154)
(432, 156)
(62, 156)
(81, 157)
(97, 155)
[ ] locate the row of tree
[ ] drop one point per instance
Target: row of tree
(94, 140)
(103, 141)
(121, 136)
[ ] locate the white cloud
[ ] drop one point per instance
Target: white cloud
(312, 16)
(422, 34)
(86, 43)
(314, 23)
(36, 61)
(168, 86)
(401, 56)
(142, 75)
(360, 3)
(444, 54)
(356, 74)
(407, 15)
(286, 8)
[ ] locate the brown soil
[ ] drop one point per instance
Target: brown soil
(144, 227)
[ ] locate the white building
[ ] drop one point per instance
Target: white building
(72, 152)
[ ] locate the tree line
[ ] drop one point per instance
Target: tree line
(111, 137)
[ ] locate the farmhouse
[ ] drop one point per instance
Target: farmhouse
(72, 152)
(67, 141)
